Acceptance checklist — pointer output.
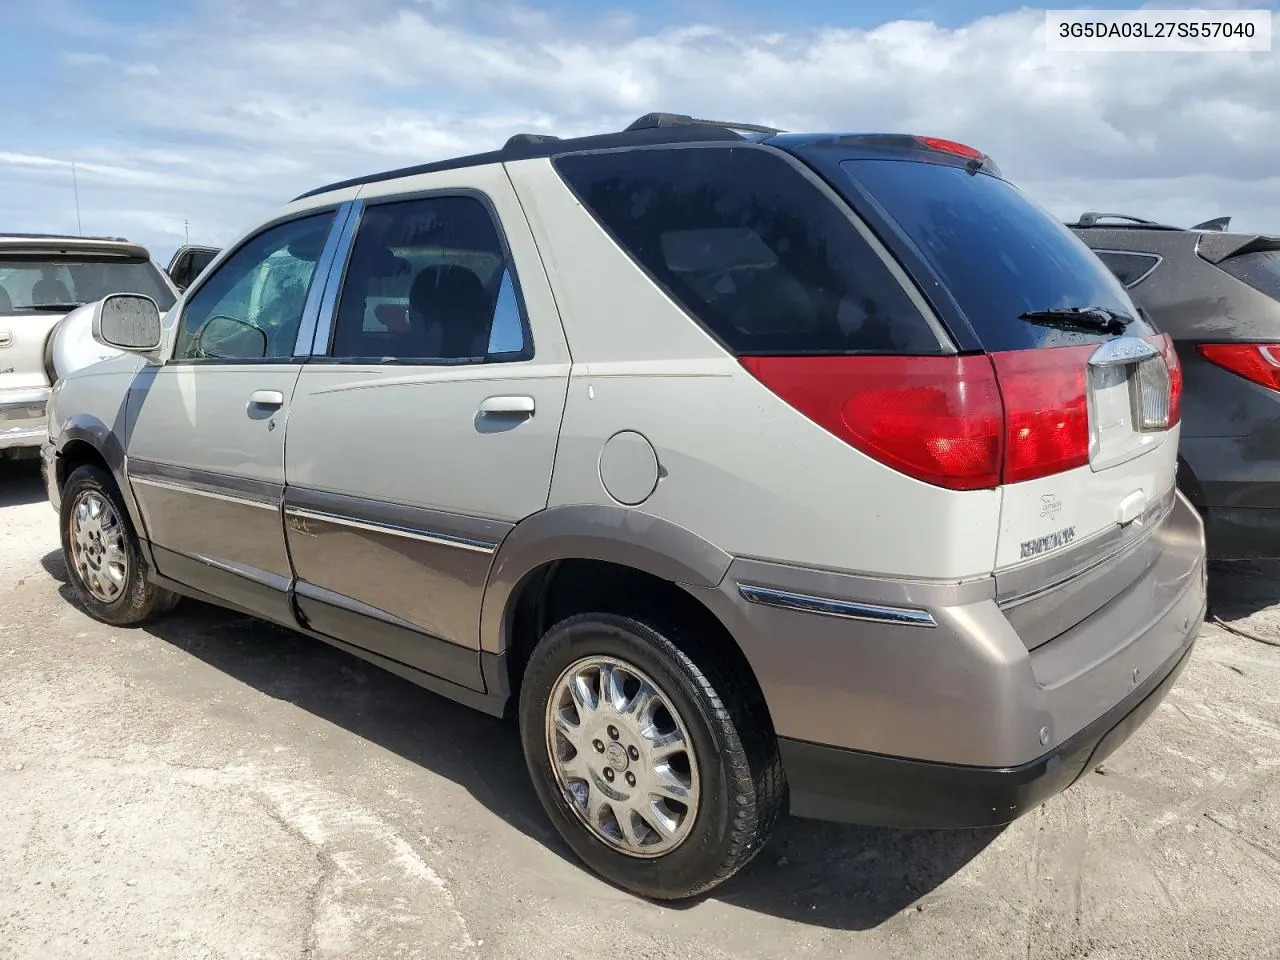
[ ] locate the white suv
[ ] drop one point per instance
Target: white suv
(46, 281)
(753, 472)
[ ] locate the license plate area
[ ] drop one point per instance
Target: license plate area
(1129, 399)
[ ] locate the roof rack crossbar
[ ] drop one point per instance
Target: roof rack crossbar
(651, 120)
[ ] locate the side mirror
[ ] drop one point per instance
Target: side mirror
(127, 321)
(227, 338)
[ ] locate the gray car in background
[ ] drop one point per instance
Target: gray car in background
(1217, 294)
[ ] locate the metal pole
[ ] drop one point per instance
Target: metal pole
(186, 230)
(75, 185)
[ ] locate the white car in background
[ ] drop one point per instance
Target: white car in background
(47, 286)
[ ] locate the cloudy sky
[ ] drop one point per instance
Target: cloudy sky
(214, 111)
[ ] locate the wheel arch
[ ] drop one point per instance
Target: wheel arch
(84, 439)
(575, 559)
(612, 535)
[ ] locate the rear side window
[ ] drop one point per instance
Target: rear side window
(751, 249)
(1129, 268)
(999, 254)
(1260, 270)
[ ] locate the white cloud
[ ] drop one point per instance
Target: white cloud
(221, 116)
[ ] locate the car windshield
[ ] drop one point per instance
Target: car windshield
(998, 253)
(34, 284)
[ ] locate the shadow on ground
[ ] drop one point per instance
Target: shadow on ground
(1238, 589)
(847, 878)
(20, 483)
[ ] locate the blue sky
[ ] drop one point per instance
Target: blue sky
(214, 111)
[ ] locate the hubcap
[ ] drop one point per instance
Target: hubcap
(97, 546)
(622, 757)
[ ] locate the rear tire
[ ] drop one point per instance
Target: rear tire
(620, 728)
(103, 558)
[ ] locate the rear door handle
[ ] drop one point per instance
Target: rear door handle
(521, 405)
(266, 398)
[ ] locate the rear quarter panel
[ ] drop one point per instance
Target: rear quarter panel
(737, 465)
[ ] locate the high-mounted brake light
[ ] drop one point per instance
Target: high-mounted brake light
(950, 146)
(1257, 362)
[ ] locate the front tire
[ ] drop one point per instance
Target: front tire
(102, 555)
(659, 772)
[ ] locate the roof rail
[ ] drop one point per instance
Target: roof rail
(651, 120)
(1092, 219)
(60, 236)
(1218, 224)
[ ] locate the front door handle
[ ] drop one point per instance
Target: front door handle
(521, 405)
(266, 398)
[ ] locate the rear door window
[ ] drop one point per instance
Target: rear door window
(430, 282)
(751, 249)
(1260, 270)
(998, 253)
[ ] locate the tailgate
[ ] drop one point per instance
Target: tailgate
(22, 351)
(1091, 392)
(1071, 542)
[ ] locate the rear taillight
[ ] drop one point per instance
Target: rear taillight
(1046, 410)
(1257, 362)
(1164, 343)
(965, 422)
(937, 419)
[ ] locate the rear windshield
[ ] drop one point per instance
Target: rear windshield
(1260, 270)
(35, 284)
(752, 249)
(998, 253)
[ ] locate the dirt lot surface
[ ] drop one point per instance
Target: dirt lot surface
(212, 787)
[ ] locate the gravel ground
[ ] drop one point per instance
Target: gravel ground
(212, 787)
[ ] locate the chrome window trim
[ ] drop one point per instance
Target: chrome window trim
(317, 296)
(178, 487)
(322, 331)
(373, 526)
(830, 607)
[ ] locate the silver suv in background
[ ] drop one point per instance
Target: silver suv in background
(752, 472)
(44, 281)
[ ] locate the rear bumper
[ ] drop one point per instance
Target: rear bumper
(1235, 482)
(828, 783)
(953, 719)
(22, 417)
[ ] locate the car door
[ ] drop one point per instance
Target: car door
(425, 427)
(206, 449)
